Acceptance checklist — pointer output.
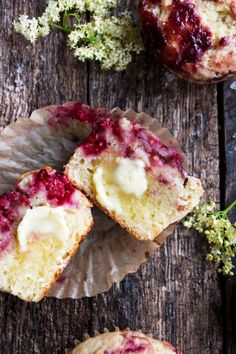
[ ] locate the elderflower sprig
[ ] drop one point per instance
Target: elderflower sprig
(219, 231)
(107, 39)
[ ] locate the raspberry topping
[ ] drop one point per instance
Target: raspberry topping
(13, 204)
(4, 244)
(132, 347)
(59, 191)
(182, 39)
(223, 41)
(94, 145)
(62, 114)
(10, 202)
(106, 129)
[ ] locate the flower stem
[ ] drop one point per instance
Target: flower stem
(74, 15)
(65, 26)
(226, 210)
(60, 27)
(64, 20)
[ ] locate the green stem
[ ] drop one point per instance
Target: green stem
(64, 20)
(226, 210)
(223, 213)
(74, 15)
(60, 27)
(64, 27)
(65, 17)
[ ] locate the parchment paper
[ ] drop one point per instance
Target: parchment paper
(108, 253)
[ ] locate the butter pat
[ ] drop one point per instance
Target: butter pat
(42, 221)
(130, 176)
(107, 197)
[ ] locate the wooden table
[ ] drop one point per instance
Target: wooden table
(177, 295)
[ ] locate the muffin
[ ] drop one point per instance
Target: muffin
(133, 177)
(42, 221)
(195, 39)
(124, 342)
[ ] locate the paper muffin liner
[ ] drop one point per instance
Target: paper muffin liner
(108, 253)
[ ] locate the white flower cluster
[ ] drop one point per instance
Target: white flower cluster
(109, 40)
(219, 231)
(34, 28)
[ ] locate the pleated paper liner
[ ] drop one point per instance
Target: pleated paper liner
(108, 253)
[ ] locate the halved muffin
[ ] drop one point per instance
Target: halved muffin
(124, 342)
(42, 221)
(131, 175)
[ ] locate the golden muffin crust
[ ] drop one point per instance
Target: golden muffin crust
(124, 343)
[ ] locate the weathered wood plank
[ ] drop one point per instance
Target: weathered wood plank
(229, 101)
(176, 295)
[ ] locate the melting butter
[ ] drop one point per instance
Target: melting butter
(42, 221)
(131, 177)
(128, 177)
(106, 195)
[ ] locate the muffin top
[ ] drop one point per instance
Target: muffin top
(124, 343)
(196, 39)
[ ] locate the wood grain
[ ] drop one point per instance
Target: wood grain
(229, 181)
(176, 294)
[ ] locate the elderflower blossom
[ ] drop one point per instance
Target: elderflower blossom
(95, 6)
(100, 7)
(105, 40)
(71, 4)
(52, 12)
(109, 40)
(219, 231)
(29, 28)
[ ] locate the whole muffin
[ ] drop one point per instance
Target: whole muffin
(195, 39)
(124, 343)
